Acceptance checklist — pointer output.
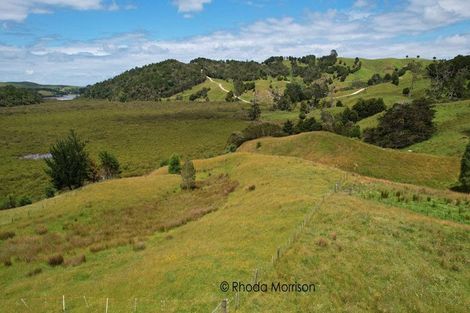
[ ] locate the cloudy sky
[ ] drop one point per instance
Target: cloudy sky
(80, 42)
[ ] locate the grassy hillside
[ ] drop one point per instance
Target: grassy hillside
(453, 130)
(358, 157)
(365, 257)
(371, 263)
(140, 134)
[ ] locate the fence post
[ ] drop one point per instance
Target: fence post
(24, 302)
(107, 300)
(86, 302)
(224, 306)
(256, 276)
(63, 303)
(135, 304)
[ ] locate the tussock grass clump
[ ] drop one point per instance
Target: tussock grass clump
(333, 236)
(41, 230)
(34, 272)
(251, 188)
(7, 262)
(55, 260)
(75, 261)
(322, 242)
(98, 247)
(7, 235)
(139, 246)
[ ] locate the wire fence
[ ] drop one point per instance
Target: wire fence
(233, 303)
(66, 303)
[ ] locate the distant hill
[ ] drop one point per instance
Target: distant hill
(171, 77)
(45, 90)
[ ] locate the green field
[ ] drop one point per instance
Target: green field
(139, 134)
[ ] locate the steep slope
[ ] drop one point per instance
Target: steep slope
(361, 158)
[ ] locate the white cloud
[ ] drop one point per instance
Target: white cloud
(190, 6)
(18, 10)
(373, 35)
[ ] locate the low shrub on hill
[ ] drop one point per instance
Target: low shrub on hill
(253, 131)
(369, 107)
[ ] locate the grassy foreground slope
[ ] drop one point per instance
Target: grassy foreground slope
(362, 158)
(379, 256)
(183, 266)
(140, 134)
(366, 257)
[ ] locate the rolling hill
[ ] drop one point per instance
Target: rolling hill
(354, 250)
(355, 156)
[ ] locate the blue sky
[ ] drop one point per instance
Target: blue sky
(84, 41)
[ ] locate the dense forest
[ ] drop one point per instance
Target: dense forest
(12, 96)
(150, 82)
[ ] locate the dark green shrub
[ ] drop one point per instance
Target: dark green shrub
(24, 200)
(464, 177)
(174, 164)
(49, 191)
(109, 165)
(369, 107)
(406, 91)
(403, 125)
(8, 203)
(288, 127)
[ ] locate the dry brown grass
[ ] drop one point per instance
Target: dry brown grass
(118, 227)
(41, 230)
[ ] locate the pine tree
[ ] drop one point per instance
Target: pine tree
(188, 174)
(69, 164)
(465, 170)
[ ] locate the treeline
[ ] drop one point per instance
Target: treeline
(450, 79)
(150, 82)
(12, 96)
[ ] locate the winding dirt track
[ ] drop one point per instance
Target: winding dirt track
(222, 87)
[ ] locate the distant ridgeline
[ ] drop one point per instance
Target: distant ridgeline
(12, 96)
(167, 78)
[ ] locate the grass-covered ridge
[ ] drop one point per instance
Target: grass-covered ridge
(355, 156)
